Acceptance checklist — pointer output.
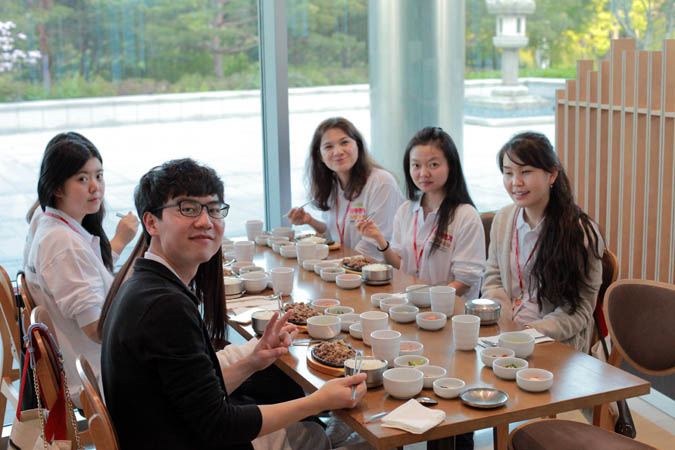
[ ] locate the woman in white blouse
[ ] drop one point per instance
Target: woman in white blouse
(438, 235)
(69, 259)
(347, 185)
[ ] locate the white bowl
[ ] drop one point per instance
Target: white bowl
(411, 361)
(286, 232)
(431, 374)
(348, 281)
(403, 383)
(411, 348)
(254, 282)
(508, 373)
(431, 320)
(329, 273)
(323, 327)
(288, 251)
(320, 265)
(308, 264)
(534, 380)
(519, 342)
(394, 300)
(448, 387)
(375, 299)
(355, 330)
(247, 269)
(262, 238)
(347, 319)
(321, 304)
(418, 295)
(488, 355)
(403, 313)
(338, 310)
(272, 239)
(239, 264)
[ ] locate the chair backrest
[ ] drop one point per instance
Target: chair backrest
(610, 272)
(40, 315)
(10, 318)
(640, 316)
(26, 296)
(100, 425)
(487, 218)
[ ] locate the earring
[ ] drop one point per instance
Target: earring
(551, 186)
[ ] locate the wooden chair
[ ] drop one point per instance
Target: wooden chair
(40, 315)
(640, 316)
(26, 298)
(100, 425)
(487, 218)
(610, 272)
(11, 344)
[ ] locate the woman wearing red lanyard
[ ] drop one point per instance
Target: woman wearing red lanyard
(545, 253)
(438, 235)
(347, 185)
(70, 260)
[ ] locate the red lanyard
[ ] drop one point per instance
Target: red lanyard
(520, 276)
(418, 255)
(344, 218)
(64, 221)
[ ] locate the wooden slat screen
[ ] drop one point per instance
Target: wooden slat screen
(615, 135)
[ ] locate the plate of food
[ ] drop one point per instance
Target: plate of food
(355, 263)
(301, 312)
(333, 353)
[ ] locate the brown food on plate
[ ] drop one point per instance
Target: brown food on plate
(301, 312)
(227, 272)
(357, 262)
(336, 352)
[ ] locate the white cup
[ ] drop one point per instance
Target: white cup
(284, 232)
(321, 251)
(372, 321)
(282, 280)
(306, 250)
(442, 299)
(244, 250)
(465, 329)
(386, 345)
(253, 229)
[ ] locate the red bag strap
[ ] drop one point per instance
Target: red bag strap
(26, 368)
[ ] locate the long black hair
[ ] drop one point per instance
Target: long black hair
(456, 191)
(560, 269)
(65, 155)
(322, 181)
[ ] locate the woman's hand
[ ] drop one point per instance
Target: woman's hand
(298, 216)
(368, 229)
(337, 393)
(125, 232)
(278, 336)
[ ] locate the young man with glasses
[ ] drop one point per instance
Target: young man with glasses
(163, 383)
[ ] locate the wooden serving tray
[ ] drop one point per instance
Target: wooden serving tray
(319, 367)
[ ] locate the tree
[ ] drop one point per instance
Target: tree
(11, 55)
(646, 21)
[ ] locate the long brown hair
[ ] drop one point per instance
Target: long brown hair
(563, 260)
(322, 181)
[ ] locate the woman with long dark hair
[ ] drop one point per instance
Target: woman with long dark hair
(545, 255)
(438, 235)
(69, 259)
(346, 185)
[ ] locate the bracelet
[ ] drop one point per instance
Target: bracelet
(383, 249)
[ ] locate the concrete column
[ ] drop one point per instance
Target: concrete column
(510, 66)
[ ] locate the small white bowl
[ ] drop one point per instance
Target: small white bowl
(277, 244)
(321, 304)
(356, 331)
(338, 310)
(534, 380)
(508, 373)
(394, 300)
(348, 281)
(247, 269)
(375, 299)
(521, 343)
(262, 238)
(418, 295)
(288, 251)
(254, 282)
(329, 273)
(308, 264)
(320, 265)
(239, 264)
(449, 387)
(323, 327)
(410, 348)
(403, 383)
(411, 361)
(431, 374)
(431, 321)
(272, 239)
(403, 313)
(347, 319)
(488, 355)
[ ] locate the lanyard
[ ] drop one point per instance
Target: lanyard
(344, 218)
(520, 276)
(64, 221)
(418, 255)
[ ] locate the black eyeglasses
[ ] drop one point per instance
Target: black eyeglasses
(192, 208)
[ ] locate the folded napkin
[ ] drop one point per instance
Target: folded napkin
(243, 313)
(413, 417)
(538, 337)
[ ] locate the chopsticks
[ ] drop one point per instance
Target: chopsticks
(358, 361)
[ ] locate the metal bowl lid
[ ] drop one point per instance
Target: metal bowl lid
(483, 304)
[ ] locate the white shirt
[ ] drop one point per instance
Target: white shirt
(378, 199)
(526, 310)
(66, 275)
(461, 256)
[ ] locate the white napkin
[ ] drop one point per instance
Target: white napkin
(538, 337)
(413, 417)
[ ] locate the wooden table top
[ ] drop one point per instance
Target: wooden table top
(579, 380)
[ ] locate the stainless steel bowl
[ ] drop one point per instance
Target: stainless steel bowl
(233, 286)
(373, 376)
(260, 323)
(488, 310)
(371, 272)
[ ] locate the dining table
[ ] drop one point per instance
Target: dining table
(580, 381)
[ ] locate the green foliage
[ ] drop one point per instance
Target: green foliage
(533, 72)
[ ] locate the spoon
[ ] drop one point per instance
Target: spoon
(427, 401)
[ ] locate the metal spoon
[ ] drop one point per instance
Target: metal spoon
(427, 401)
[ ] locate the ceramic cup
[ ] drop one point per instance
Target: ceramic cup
(244, 250)
(385, 344)
(442, 299)
(282, 280)
(465, 329)
(253, 229)
(305, 250)
(372, 321)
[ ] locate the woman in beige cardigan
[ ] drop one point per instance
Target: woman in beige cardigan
(545, 256)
